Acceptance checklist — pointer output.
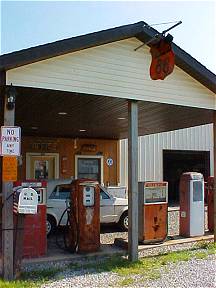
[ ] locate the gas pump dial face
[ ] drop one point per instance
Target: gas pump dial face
(88, 196)
(155, 194)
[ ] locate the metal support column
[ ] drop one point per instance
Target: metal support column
(133, 179)
(214, 151)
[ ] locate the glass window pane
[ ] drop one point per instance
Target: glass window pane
(89, 168)
(197, 191)
(103, 195)
(60, 192)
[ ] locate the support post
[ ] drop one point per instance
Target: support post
(214, 151)
(7, 210)
(133, 180)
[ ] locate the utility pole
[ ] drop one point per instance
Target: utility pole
(7, 201)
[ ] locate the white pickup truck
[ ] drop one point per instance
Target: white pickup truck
(112, 209)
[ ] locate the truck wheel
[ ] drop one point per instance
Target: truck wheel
(50, 225)
(123, 222)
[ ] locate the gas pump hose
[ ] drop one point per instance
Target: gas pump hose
(70, 248)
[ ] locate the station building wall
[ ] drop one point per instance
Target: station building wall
(150, 150)
(67, 149)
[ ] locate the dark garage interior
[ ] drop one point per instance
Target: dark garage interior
(176, 162)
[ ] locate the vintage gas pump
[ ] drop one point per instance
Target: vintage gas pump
(192, 204)
(34, 224)
(153, 210)
(39, 186)
(85, 211)
(25, 202)
(210, 201)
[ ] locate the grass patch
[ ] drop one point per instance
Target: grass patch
(205, 245)
(174, 257)
(41, 275)
(32, 279)
(200, 255)
(19, 284)
(127, 282)
(211, 248)
(208, 247)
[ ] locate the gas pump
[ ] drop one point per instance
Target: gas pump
(210, 200)
(192, 204)
(29, 198)
(25, 201)
(84, 215)
(153, 211)
(39, 186)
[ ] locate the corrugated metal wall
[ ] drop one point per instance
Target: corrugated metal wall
(151, 150)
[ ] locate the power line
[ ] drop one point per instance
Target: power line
(163, 23)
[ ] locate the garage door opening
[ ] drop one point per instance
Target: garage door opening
(176, 162)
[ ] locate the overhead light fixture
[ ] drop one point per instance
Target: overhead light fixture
(34, 128)
(11, 97)
(121, 118)
(75, 143)
(62, 113)
(82, 130)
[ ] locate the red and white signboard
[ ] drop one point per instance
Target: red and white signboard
(10, 141)
(163, 60)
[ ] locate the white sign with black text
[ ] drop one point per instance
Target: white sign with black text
(10, 141)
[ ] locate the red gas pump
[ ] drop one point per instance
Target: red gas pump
(35, 239)
(210, 189)
(85, 215)
(153, 211)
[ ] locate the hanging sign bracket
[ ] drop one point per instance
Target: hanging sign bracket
(158, 36)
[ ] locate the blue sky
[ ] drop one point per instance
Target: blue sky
(29, 23)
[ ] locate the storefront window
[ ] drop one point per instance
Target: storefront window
(89, 168)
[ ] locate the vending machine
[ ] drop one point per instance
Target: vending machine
(85, 215)
(192, 204)
(210, 201)
(153, 211)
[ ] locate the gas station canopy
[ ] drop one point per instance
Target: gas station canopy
(37, 112)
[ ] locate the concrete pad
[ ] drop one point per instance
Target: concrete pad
(120, 248)
(176, 240)
(105, 250)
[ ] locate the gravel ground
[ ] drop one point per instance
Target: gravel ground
(194, 273)
(85, 278)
